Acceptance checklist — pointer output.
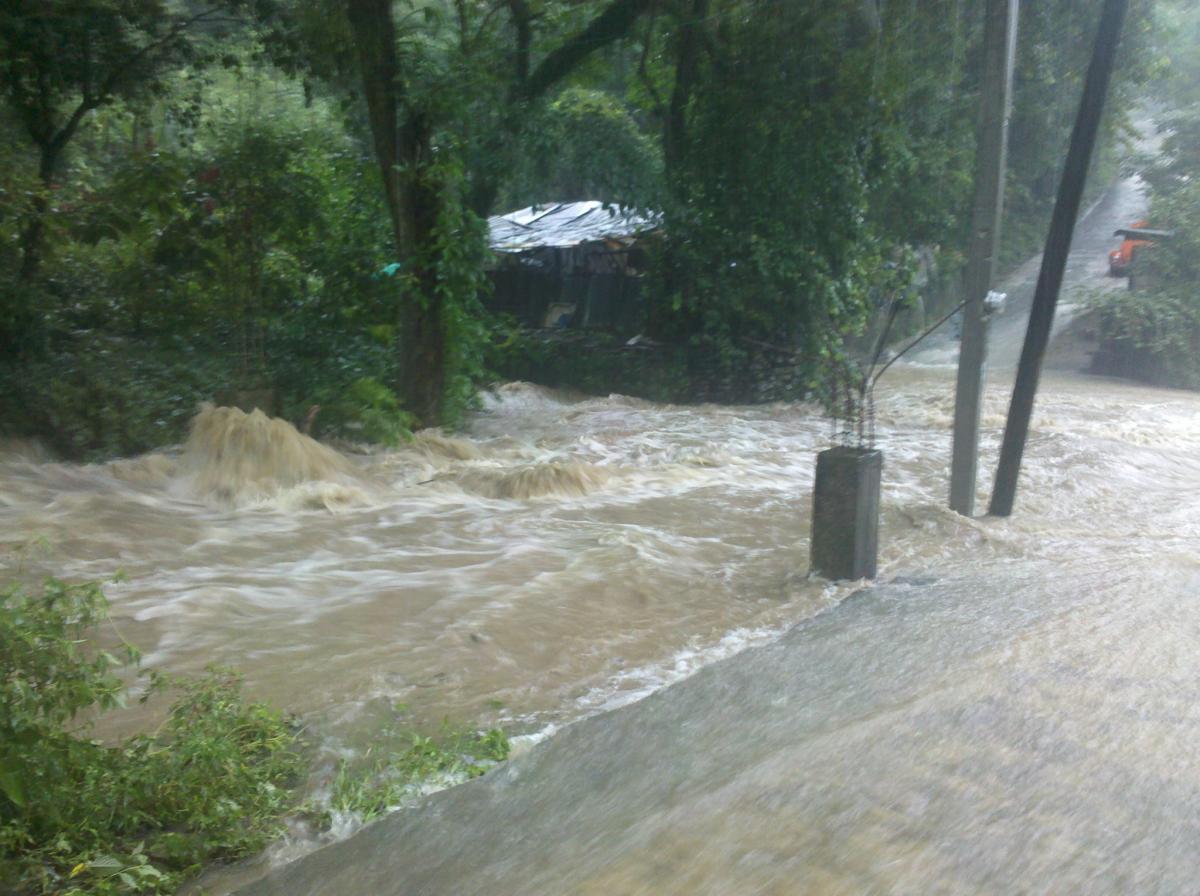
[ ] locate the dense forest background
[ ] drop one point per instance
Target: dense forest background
(198, 200)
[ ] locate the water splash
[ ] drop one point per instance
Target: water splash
(558, 479)
(439, 446)
(238, 459)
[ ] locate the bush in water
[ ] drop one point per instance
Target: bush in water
(78, 816)
(214, 782)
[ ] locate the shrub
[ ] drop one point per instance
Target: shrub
(214, 782)
(78, 816)
(366, 410)
(94, 396)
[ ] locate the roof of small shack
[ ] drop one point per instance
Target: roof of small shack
(562, 225)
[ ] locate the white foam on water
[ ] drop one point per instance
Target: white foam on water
(632, 685)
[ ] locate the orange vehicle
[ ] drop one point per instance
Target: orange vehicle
(1119, 260)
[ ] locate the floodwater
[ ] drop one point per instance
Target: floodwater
(1011, 710)
(564, 555)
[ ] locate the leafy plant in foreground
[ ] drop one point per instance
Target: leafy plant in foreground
(78, 816)
(216, 781)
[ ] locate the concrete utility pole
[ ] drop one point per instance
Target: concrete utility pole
(991, 133)
(1054, 260)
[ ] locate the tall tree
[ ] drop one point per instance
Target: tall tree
(405, 118)
(402, 135)
(523, 84)
(774, 147)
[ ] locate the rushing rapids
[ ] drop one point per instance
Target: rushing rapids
(563, 555)
(236, 458)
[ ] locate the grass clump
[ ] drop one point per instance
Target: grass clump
(385, 778)
(141, 816)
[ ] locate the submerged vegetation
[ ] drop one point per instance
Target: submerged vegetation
(402, 764)
(139, 816)
(216, 780)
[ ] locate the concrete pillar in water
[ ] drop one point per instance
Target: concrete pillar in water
(845, 520)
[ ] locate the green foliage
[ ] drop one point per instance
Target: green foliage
(366, 410)
(1177, 73)
(96, 397)
(1054, 50)
(241, 258)
(926, 109)
(1153, 332)
(58, 53)
(64, 59)
(585, 145)
(214, 782)
(386, 776)
(48, 678)
(769, 237)
(457, 253)
(1153, 336)
(816, 150)
(596, 363)
(78, 816)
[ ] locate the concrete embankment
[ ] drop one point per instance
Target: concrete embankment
(996, 732)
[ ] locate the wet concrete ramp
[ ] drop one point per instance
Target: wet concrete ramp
(950, 736)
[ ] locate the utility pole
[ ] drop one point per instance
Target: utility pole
(991, 135)
(1054, 260)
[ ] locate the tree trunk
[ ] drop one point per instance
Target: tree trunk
(687, 66)
(33, 232)
(498, 157)
(402, 142)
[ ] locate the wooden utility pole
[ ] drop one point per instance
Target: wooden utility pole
(991, 133)
(1054, 260)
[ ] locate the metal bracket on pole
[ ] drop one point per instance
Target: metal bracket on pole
(1000, 36)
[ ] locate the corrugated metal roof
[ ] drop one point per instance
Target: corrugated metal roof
(565, 224)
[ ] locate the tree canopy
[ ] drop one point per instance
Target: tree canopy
(211, 190)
